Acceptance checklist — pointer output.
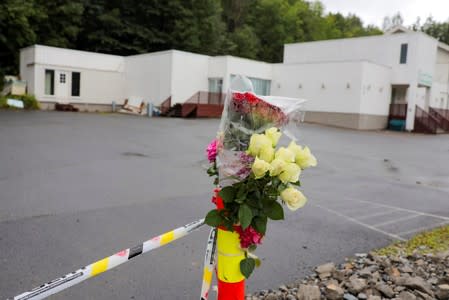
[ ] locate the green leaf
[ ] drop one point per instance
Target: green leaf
(213, 218)
(253, 202)
(247, 266)
(212, 171)
(260, 224)
(297, 183)
(227, 194)
(274, 211)
(255, 211)
(239, 200)
(258, 262)
(267, 200)
(282, 187)
(229, 226)
(245, 216)
(242, 191)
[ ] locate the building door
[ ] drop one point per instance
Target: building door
(398, 94)
(62, 86)
(215, 85)
(215, 91)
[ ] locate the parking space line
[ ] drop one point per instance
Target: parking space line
(345, 205)
(384, 213)
(357, 211)
(397, 220)
(423, 228)
(407, 210)
(391, 235)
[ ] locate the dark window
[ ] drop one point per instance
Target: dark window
(49, 82)
(403, 59)
(76, 76)
(62, 78)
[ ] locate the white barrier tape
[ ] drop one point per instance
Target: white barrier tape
(107, 263)
(209, 263)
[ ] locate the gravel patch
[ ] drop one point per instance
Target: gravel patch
(369, 276)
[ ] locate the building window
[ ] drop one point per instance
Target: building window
(215, 85)
(76, 76)
(403, 58)
(261, 86)
(49, 82)
(62, 78)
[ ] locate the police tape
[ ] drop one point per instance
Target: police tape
(108, 263)
(209, 263)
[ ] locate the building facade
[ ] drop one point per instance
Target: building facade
(354, 81)
(347, 82)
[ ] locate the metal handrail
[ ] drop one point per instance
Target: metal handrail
(166, 105)
(202, 97)
(425, 122)
(442, 116)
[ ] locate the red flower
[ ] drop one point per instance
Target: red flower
(248, 237)
(252, 99)
(217, 200)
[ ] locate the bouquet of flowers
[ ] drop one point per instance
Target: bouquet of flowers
(254, 176)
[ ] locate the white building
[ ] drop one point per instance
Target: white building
(348, 82)
(96, 80)
(351, 82)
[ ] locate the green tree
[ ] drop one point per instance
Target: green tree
(438, 30)
(199, 27)
(269, 25)
(256, 29)
(116, 27)
(244, 42)
(17, 19)
(61, 23)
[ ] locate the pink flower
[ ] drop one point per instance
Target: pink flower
(212, 151)
(248, 237)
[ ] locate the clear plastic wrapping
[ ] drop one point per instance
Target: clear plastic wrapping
(244, 114)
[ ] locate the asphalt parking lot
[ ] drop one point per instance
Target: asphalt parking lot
(76, 187)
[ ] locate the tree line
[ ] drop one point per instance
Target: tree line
(255, 29)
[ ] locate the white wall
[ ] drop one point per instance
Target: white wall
(99, 87)
(149, 76)
(376, 89)
(218, 67)
(189, 75)
(324, 85)
(27, 71)
(381, 49)
(53, 56)
(225, 66)
(440, 86)
(248, 68)
(101, 74)
(442, 66)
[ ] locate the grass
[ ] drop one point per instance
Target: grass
(429, 242)
(29, 101)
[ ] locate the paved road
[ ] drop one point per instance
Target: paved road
(77, 187)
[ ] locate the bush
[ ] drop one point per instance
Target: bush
(29, 101)
(3, 102)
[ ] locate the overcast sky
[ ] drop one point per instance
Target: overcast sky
(373, 11)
